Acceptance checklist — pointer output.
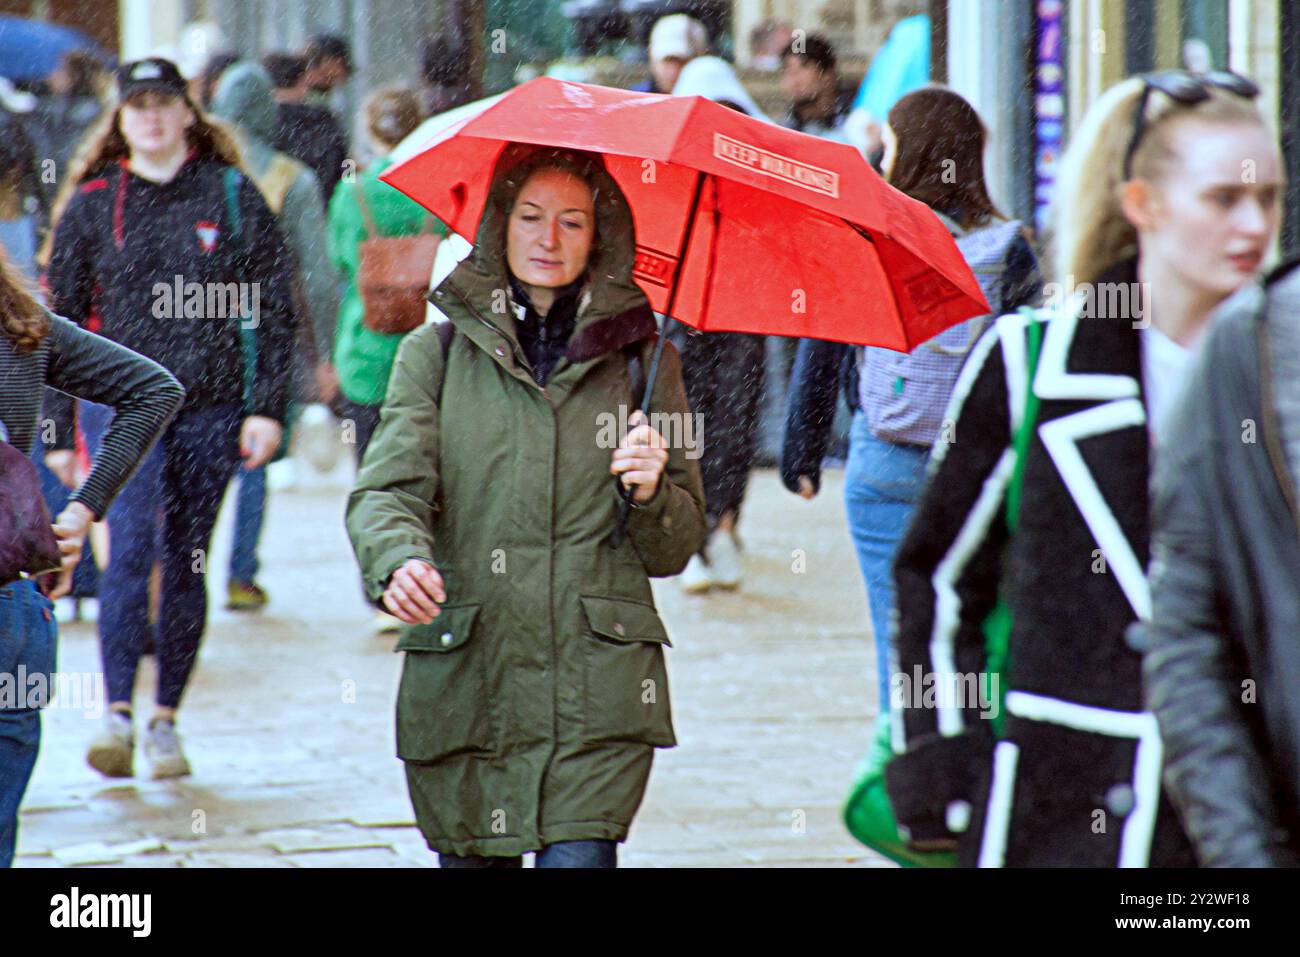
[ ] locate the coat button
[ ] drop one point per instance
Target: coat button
(1120, 800)
(667, 521)
(619, 629)
(957, 816)
(499, 351)
(447, 638)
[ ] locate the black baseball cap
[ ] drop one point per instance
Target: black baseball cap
(153, 73)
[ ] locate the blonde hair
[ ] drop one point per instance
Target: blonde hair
(1088, 231)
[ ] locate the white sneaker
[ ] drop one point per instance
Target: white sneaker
(110, 753)
(696, 578)
(162, 746)
(65, 610)
(724, 559)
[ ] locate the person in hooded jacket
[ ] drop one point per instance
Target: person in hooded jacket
(533, 692)
(724, 378)
(162, 244)
(244, 98)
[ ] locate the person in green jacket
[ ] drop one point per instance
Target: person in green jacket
(534, 689)
(363, 358)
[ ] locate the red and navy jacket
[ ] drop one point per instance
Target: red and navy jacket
(149, 265)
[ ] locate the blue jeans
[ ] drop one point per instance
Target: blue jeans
(165, 513)
(593, 853)
(28, 636)
(882, 482)
(250, 510)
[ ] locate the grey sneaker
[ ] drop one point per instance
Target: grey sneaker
(110, 752)
(162, 746)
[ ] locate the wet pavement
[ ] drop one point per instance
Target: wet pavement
(288, 722)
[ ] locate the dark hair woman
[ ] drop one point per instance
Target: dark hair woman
(899, 399)
(162, 244)
(533, 692)
(36, 350)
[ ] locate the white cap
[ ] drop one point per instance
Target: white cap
(679, 36)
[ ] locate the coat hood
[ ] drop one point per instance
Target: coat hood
(612, 311)
(245, 97)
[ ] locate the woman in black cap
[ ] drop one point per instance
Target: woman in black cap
(163, 245)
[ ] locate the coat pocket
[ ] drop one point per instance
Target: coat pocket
(441, 706)
(626, 679)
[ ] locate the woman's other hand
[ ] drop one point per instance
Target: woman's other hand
(414, 591)
(259, 437)
(70, 529)
(640, 458)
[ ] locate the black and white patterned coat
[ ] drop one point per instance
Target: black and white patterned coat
(1074, 778)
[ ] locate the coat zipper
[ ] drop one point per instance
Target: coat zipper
(550, 561)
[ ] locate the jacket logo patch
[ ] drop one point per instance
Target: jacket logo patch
(208, 233)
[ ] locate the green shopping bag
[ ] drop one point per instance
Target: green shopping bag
(867, 812)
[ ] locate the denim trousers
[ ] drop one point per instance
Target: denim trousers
(250, 512)
(28, 636)
(166, 513)
(882, 483)
(592, 853)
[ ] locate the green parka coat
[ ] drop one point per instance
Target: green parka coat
(529, 709)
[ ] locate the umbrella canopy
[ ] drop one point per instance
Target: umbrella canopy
(30, 49)
(741, 226)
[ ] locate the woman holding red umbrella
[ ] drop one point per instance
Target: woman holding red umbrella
(533, 692)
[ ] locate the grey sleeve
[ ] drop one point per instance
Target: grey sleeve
(306, 231)
(1214, 774)
(142, 393)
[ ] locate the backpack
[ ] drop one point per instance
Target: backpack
(393, 273)
(905, 395)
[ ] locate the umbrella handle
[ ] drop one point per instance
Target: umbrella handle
(625, 493)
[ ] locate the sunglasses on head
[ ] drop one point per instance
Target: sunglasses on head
(1186, 89)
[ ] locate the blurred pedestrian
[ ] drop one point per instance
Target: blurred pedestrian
(533, 692)
(165, 246)
(76, 98)
(207, 79)
(901, 65)
(1061, 412)
(724, 379)
(899, 398)
(329, 65)
(36, 350)
(363, 357)
(810, 78)
(675, 40)
(1221, 662)
(244, 99)
(310, 134)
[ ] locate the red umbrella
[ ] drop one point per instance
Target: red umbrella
(741, 226)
